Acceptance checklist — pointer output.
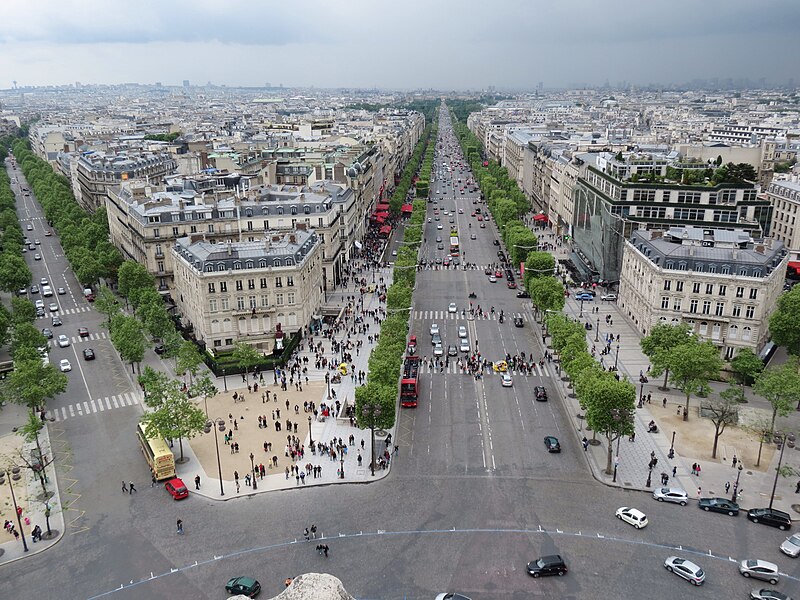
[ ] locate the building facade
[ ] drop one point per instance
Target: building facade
(241, 291)
(784, 196)
(724, 284)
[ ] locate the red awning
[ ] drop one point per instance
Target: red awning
(382, 206)
(794, 265)
(386, 230)
(540, 217)
(382, 213)
(380, 220)
(407, 208)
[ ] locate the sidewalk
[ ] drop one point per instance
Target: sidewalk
(692, 441)
(251, 439)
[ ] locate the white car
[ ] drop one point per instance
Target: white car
(686, 569)
(53, 307)
(44, 281)
(434, 328)
(462, 331)
(760, 569)
(63, 341)
(492, 279)
(676, 495)
(632, 516)
(64, 365)
(608, 297)
(452, 308)
(791, 545)
(438, 350)
(464, 346)
(439, 226)
(506, 380)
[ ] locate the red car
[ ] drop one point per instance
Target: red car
(83, 332)
(512, 285)
(480, 218)
(498, 273)
(176, 489)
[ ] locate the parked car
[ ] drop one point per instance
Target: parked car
(768, 594)
(243, 585)
(48, 333)
(771, 517)
(686, 569)
(720, 505)
(551, 443)
(791, 545)
(462, 331)
(523, 294)
(608, 297)
(452, 596)
(547, 565)
(760, 569)
(61, 291)
(438, 350)
(464, 345)
(676, 495)
(56, 321)
(452, 350)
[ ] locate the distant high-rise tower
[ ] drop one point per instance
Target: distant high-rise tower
(186, 84)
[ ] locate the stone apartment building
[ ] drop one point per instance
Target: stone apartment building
(784, 196)
(243, 291)
(144, 222)
(723, 283)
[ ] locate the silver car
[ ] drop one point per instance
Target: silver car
(686, 569)
(791, 545)
(676, 495)
(760, 569)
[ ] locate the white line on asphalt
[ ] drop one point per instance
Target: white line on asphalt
(100, 404)
(114, 400)
(108, 403)
(86, 406)
(94, 407)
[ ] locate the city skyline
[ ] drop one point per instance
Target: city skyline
(509, 45)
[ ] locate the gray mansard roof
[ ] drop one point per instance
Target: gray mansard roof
(276, 249)
(709, 250)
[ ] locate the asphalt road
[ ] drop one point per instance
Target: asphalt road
(471, 498)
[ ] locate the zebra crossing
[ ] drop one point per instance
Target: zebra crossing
(452, 369)
(441, 315)
(66, 311)
(98, 405)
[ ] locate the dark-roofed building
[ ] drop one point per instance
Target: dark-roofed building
(240, 291)
(723, 283)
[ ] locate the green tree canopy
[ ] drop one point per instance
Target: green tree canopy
(784, 323)
(175, 418)
(610, 407)
(246, 355)
(547, 293)
(128, 339)
(780, 386)
(659, 346)
(32, 382)
(693, 364)
(747, 366)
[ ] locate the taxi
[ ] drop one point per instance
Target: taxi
(500, 366)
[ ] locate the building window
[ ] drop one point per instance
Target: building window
(212, 305)
(290, 298)
(667, 285)
(715, 331)
(290, 281)
(249, 226)
(703, 328)
(264, 301)
(263, 282)
(740, 292)
(252, 300)
(193, 229)
(676, 304)
(693, 306)
(720, 309)
(753, 293)
(278, 282)
(217, 343)
(251, 284)
(160, 266)
(678, 286)
(239, 303)
(211, 287)
(156, 233)
(737, 310)
(696, 288)
(726, 270)
(749, 312)
(665, 302)
(743, 271)
(175, 232)
(239, 285)
(723, 289)
(733, 332)
(237, 266)
(709, 288)
(706, 307)
(223, 286)
(746, 334)
(211, 230)
(279, 299)
(159, 251)
(221, 267)
(224, 304)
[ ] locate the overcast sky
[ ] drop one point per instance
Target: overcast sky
(398, 44)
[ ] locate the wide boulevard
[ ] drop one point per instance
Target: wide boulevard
(472, 497)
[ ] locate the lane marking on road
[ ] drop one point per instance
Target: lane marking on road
(588, 536)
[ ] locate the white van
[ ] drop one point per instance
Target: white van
(47, 291)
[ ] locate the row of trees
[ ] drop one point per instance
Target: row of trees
(609, 404)
(83, 236)
(409, 172)
(376, 401)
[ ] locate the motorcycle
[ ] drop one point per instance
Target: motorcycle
(472, 294)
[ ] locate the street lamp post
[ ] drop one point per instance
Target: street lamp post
(736, 485)
(253, 471)
(371, 412)
(328, 381)
(18, 512)
(341, 465)
(581, 315)
(220, 425)
(616, 464)
(310, 439)
(224, 380)
(641, 394)
(616, 358)
(777, 472)
(649, 477)
(597, 331)
(671, 453)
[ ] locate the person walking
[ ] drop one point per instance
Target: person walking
(797, 488)
(734, 460)
(197, 482)
(124, 487)
(152, 480)
(728, 486)
(306, 534)
(314, 531)
(132, 489)
(180, 527)
(325, 550)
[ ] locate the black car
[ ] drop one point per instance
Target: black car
(452, 350)
(771, 517)
(523, 294)
(496, 242)
(720, 505)
(48, 333)
(88, 354)
(547, 565)
(246, 586)
(159, 349)
(541, 393)
(551, 443)
(518, 322)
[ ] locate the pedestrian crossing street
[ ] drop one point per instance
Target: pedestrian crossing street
(82, 409)
(441, 315)
(452, 369)
(66, 311)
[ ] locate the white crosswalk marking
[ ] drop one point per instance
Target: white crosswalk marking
(81, 409)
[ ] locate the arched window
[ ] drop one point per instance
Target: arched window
(221, 267)
(262, 264)
(237, 266)
(703, 328)
(209, 268)
(746, 334)
(733, 332)
(249, 264)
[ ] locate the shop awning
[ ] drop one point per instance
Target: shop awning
(382, 213)
(407, 208)
(380, 219)
(540, 217)
(381, 206)
(794, 265)
(385, 230)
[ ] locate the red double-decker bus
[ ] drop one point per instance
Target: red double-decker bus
(409, 382)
